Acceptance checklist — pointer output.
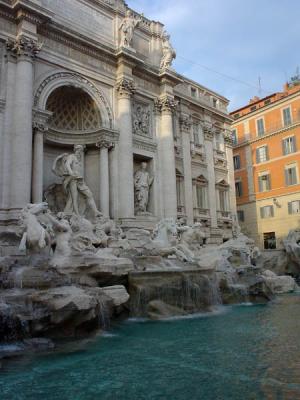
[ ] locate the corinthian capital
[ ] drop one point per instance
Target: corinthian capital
(103, 143)
(125, 87)
(166, 103)
(24, 46)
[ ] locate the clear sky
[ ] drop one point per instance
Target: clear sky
(237, 38)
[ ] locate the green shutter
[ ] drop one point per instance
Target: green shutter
(267, 153)
(257, 156)
(290, 208)
(272, 211)
(294, 143)
(262, 214)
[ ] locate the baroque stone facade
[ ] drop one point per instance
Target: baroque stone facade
(95, 74)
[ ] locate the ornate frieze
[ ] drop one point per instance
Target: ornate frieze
(144, 145)
(141, 119)
(125, 87)
(166, 103)
(24, 46)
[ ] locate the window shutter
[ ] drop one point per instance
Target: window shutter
(294, 143)
(286, 173)
(262, 214)
(290, 208)
(260, 185)
(294, 176)
(267, 153)
(269, 182)
(272, 211)
(257, 156)
(284, 147)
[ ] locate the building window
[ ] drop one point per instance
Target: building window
(223, 196)
(179, 191)
(234, 137)
(236, 116)
(264, 182)
(262, 154)
(291, 175)
(267, 102)
(289, 145)
(215, 102)
(253, 108)
(260, 126)
(287, 118)
(294, 207)
(201, 196)
(269, 241)
(266, 212)
(241, 215)
(218, 142)
(196, 134)
(236, 162)
(193, 92)
(238, 188)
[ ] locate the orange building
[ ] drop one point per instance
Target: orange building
(266, 134)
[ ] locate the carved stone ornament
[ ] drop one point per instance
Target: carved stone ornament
(40, 126)
(208, 131)
(228, 138)
(169, 53)
(105, 144)
(166, 103)
(24, 46)
(125, 86)
(185, 123)
(141, 120)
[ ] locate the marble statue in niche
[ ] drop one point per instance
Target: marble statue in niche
(142, 184)
(141, 120)
(127, 27)
(169, 54)
(79, 196)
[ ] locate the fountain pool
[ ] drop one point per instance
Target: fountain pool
(238, 352)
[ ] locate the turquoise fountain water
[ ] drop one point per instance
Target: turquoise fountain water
(241, 352)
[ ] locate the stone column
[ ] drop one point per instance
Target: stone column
(38, 163)
(212, 197)
(2, 139)
(166, 105)
(6, 143)
(185, 128)
(104, 147)
(230, 180)
(125, 90)
(26, 50)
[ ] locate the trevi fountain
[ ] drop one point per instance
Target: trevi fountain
(123, 271)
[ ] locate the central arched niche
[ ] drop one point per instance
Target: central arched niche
(73, 110)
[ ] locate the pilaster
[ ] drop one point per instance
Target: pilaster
(125, 90)
(209, 151)
(166, 106)
(185, 128)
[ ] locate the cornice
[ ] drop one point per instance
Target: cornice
(86, 138)
(144, 145)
